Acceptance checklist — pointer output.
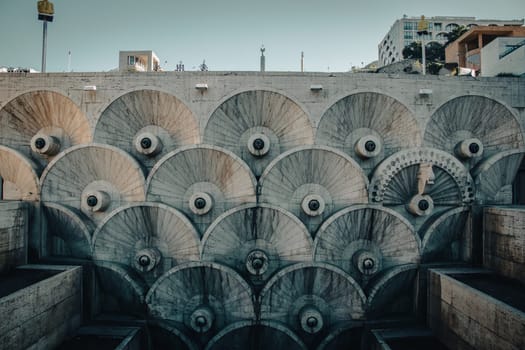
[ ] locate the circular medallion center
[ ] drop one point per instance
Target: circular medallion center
(40, 143)
(145, 143)
(92, 200)
(370, 146)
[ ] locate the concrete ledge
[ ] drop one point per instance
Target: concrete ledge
(405, 338)
(13, 234)
(463, 315)
(42, 313)
(504, 241)
(106, 337)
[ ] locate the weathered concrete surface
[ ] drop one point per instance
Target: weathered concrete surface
(122, 338)
(504, 241)
(466, 318)
(42, 314)
(13, 234)
(223, 85)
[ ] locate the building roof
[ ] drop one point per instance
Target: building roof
(491, 30)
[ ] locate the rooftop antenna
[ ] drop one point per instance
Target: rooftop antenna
(302, 61)
(203, 67)
(263, 59)
(69, 61)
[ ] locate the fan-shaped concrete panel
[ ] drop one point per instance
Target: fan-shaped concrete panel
(369, 127)
(313, 182)
(40, 124)
(94, 179)
(18, 178)
(147, 124)
(201, 181)
(257, 241)
(258, 125)
(149, 238)
(473, 128)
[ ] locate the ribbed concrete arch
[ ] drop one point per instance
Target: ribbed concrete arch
(386, 288)
(333, 295)
(152, 231)
(395, 180)
(45, 113)
(170, 334)
(147, 113)
(357, 233)
(262, 335)
(342, 337)
(213, 174)
(313, 173)
(18, 177)
(106, 172)
(479, 117)
(494, 177)
(445, 238)
(244, 117)
(69, 226)
(268, 233)
(188, 288)
(123, 287)
(366, 114)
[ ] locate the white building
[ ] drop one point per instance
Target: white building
(504, 55)
(404, 31)
(138, 61)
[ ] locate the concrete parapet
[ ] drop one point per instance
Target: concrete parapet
(107, 337)
(468, 309)
(41, 313)
(504, 241)
(13, 235)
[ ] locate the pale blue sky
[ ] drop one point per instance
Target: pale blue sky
(334, 34)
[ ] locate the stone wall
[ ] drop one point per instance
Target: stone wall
(465, 318)
(13, 235)
(42, 314)
(504, 241)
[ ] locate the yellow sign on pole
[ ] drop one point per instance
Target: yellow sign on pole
(422, 26)
(45, 7)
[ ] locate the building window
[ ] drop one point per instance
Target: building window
(438, 26)
(410, 26)
(409, 35)
(131, 60)
(450, 27)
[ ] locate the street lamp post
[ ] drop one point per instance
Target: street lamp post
(422, 30)
(45, 14)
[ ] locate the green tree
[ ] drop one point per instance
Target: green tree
(454, 34)
(434, 52)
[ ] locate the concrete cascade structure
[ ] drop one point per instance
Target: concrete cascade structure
(404, 31)
(259, 212)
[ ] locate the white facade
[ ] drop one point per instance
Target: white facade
(138, 61)
(404, 31)
(504, 55)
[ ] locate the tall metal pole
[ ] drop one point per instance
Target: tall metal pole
(45, 13)
(423, 56)
(44, 44)
(422, 30)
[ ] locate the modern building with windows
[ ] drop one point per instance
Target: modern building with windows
(404, 31)
(138, 61)
(467, 50)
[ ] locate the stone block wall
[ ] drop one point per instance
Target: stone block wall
(42, 314)
(465, 318)
(13, 235)
(504, 241)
